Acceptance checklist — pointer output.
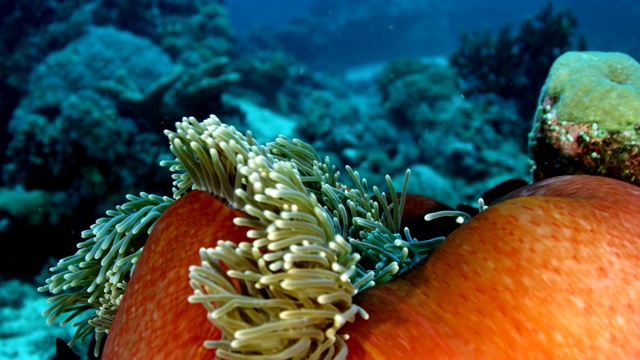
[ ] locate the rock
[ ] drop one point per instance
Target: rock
(588, 118)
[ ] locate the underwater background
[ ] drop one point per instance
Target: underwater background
(447, 89)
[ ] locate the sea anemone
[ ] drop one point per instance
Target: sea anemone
(316, 243)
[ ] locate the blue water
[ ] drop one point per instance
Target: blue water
(80, 127)
(608, 25)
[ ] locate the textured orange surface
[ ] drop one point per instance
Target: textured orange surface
(541, 277)
(154, 320)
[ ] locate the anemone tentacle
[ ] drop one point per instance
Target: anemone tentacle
(317, 243)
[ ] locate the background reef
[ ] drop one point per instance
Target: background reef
(448, 90)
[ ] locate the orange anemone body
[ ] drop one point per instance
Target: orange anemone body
(553, 276)
(537, 277)
(154, 320)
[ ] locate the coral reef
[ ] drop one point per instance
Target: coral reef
(180, 27)
(514, 65)
(31, 29)
(102, 54)
(70, 137)
(195, 89)
(264, 77)
(588, 118)
(116, 64)
(421, 100)
(199, 32)
(69, 161)
(323, 113)
(397, 116)
(415, 92)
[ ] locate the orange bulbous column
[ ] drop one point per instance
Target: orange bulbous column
(538, 277)
(154, 320)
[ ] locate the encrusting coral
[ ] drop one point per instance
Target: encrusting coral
(317, 243)
(588, 118)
